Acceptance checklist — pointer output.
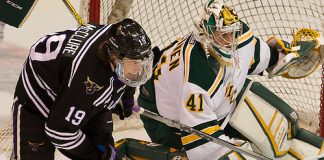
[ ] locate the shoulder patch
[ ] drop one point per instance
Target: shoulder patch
(91, 86)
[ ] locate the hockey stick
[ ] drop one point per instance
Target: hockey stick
(203, 135)
(73, 12)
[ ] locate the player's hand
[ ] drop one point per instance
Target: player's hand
(106, 152)
(124, 110)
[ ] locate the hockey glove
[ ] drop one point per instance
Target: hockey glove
(106, 152)
(298, 59)
(124, 110)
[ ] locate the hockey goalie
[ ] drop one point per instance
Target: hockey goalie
(201, 80)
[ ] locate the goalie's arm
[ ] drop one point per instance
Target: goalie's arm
(264, 56)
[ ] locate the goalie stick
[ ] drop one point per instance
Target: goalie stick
(73, 12)
(203, 135)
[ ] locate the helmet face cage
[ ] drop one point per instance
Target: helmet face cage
(224, 37)
(134, 72)
(220, 28)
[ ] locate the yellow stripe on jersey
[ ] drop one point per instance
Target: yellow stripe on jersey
(265, 128)
(187, 61)
(245, 36)
(217, 80)
(192, 137)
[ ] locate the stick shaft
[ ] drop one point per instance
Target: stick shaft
(188, 129)
(73, 12)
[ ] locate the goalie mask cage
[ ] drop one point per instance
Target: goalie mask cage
(165, 20)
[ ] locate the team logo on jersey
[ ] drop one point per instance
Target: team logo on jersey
(230, 93)
(91, 86)
(35, 146)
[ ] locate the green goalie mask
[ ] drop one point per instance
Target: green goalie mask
(220, 28)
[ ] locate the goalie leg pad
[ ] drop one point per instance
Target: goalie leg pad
(305, 145)
(265, 120)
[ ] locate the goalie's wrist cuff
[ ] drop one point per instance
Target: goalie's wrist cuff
(281, 66)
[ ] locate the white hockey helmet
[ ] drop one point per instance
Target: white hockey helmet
(220, 28)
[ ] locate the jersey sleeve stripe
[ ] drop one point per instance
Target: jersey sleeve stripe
(213, 89)
(256, 57)
(61, 138)
(32, 94)
(194, 144)
(77, 60)
(201, 141)
(71, 145)
(105, 95)
(192, 137)
(65, 140)
(187, 47)
(245, 36)
(244, 43)
(61, 134)
(41, 82)
(68, 142)
(207, 124)
(211, 128)
(112, 105)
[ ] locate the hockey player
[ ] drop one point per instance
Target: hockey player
(69, 85)
(199, 78)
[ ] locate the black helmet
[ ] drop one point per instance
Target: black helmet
(132, 47)
(128, 39)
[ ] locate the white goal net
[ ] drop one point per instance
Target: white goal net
(165, 20)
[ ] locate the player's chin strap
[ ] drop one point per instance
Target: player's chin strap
(298, 59)
(203, 135)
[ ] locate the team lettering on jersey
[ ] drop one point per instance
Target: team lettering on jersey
(174, 59)
(77, 39)
(157, 71)
(175, 56)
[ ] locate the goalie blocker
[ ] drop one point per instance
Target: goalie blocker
(272, 125)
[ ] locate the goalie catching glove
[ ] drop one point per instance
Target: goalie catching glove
(298, 59)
